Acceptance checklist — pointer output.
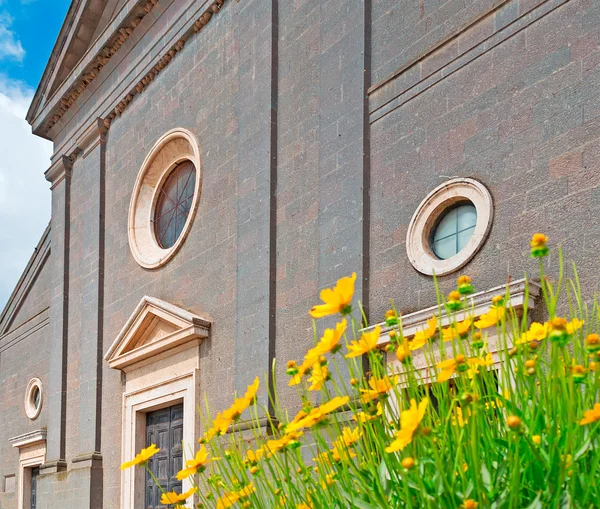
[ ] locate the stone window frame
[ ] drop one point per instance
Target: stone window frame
(30, 409)
(32, 454)
(431, 209)
(173, 147)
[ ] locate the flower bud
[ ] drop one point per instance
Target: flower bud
(391, 318)
(408, 463)
(292, 368)
(538, 245)
(513, 422)
(536, 439)
(454, 302)
(464, 285)
(477, 342)
(592, 343)
(558, 331)
(579, 373)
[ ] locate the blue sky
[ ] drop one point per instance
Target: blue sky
(33, 25)
(28, 30)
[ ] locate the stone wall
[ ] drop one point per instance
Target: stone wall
(322, 124)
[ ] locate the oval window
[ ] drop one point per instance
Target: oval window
(454, 230)
(174, 204)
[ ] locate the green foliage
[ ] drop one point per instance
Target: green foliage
(470, 412)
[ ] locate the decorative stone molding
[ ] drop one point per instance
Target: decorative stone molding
(200, 23)
(430, 210)
(58, 170)
(32, 454)
(29, 439)
(102, 58)
(159, 351)
(34, 389)
(154, 330)
(172, 148)
(522, 294)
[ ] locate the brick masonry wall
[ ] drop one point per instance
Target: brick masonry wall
(199, 91)
(504, 92)
(522, 117)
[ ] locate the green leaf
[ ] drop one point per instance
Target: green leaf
(537, 503)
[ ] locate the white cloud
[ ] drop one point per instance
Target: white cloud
(10, 46)
(24, 193)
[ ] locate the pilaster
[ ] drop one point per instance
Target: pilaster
(59, 175)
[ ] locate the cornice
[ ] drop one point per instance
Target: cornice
(58, 170)
(522, 293)
(28, 439)
(198, 25)
(88, 73)
(126, 98)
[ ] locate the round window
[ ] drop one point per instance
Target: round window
(454, 230)
(174, 204)
(33, 398)
(165, 198)
(449, 226)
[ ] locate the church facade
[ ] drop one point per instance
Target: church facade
(216, 163)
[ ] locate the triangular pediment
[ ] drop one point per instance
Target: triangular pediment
(155, 328)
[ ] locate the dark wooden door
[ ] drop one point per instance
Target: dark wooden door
(34, 476)
(165, 429)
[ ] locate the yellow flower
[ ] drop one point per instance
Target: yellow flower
(536, 439)
(470, 504)
(538, 245)
(409, 422)
(275, 445)
(422, 336)
(337, 299)
(319, 375)
(592, 415)
(366, 416)
(240, 404)
(458, 330)
(224, 419)
(536, 332)
(491, 318)
(328, 343)
(252, 457)
(458, 418)
(461, 363)
(574, 325)
(349, 437)
(229, 499)
(378, 386)
(195, 465)
(316, 415)
(175, 498)
(142, 457)
(366, 343)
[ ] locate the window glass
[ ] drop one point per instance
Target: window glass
(174, 204)
(454, 230)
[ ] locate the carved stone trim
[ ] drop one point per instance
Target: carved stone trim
(198, 25)
(28, 439)
(104, 55)
(431, 209)
(60, 168)
(477, 304)
(155, 328)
